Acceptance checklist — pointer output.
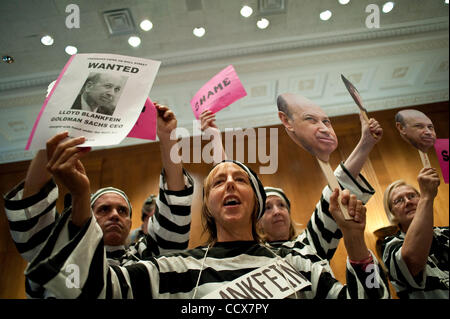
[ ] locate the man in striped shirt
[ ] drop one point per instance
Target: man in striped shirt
(31, 209)
(417, 256)
(234, 264)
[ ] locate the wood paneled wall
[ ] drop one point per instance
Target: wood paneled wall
(136, 169)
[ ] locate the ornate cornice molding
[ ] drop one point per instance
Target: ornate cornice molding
(263, 47)
(313, 41)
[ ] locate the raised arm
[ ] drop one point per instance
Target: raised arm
(209, 127)
(65, 166)
(31, 206)
(173, 171)
(37, 176)
(360, 153)
(352, 230)
(169, 228)
(418, 239)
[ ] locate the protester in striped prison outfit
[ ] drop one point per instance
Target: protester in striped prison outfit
(31, 211)
(276, 227)
(233, 201)
(417, 256)
(321, 232)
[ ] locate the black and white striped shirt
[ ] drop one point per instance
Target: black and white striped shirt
(433, 281)
(175, 275)
(322, 233)
(32, 219)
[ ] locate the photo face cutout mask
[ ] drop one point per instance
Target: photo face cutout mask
(416, 129)
(309, 127)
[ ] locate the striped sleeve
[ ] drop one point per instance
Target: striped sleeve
(78, 268)
(432, 282)
(322, 232)
(368, 282)
(31, 219)
(398, 270)
(169, 227)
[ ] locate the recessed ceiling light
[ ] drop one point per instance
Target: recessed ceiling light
(388, 6)
(71, 50)
(199, 32)
(134, 41)
(262, 23)
(47, 40)
(325, 15)
(344, 2)
(146, 25)
(8, 59)
(246, 11)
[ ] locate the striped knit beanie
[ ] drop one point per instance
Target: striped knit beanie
(114, 190)
(257, 186)
(273, 191)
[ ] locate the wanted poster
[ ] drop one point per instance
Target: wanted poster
(98, 96)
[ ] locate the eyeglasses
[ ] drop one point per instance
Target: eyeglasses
(401, 200)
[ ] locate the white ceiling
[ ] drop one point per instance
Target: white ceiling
(402, 63)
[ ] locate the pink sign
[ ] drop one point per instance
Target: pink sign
(441, 147)
(219, 92)
(145, 126)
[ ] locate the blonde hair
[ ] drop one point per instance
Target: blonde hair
(292, 230)
(387, 199)
(208, 222)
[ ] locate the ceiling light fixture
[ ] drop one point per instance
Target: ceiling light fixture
(246, 11)
(47, 40)
(71, 50)
(325, 15)
(134, 41)
(146, 25)
(199, 32)
(262, 23)
(8, 59)
(388, 6)
(344, 2)
(446, 1)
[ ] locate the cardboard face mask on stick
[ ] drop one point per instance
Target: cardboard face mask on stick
(307, 125)
(417, 129)
(310, 128)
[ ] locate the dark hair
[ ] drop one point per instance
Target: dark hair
(283, 106)
(400, 119)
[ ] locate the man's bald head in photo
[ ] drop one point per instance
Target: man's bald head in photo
(307, 125)
(416, 128)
